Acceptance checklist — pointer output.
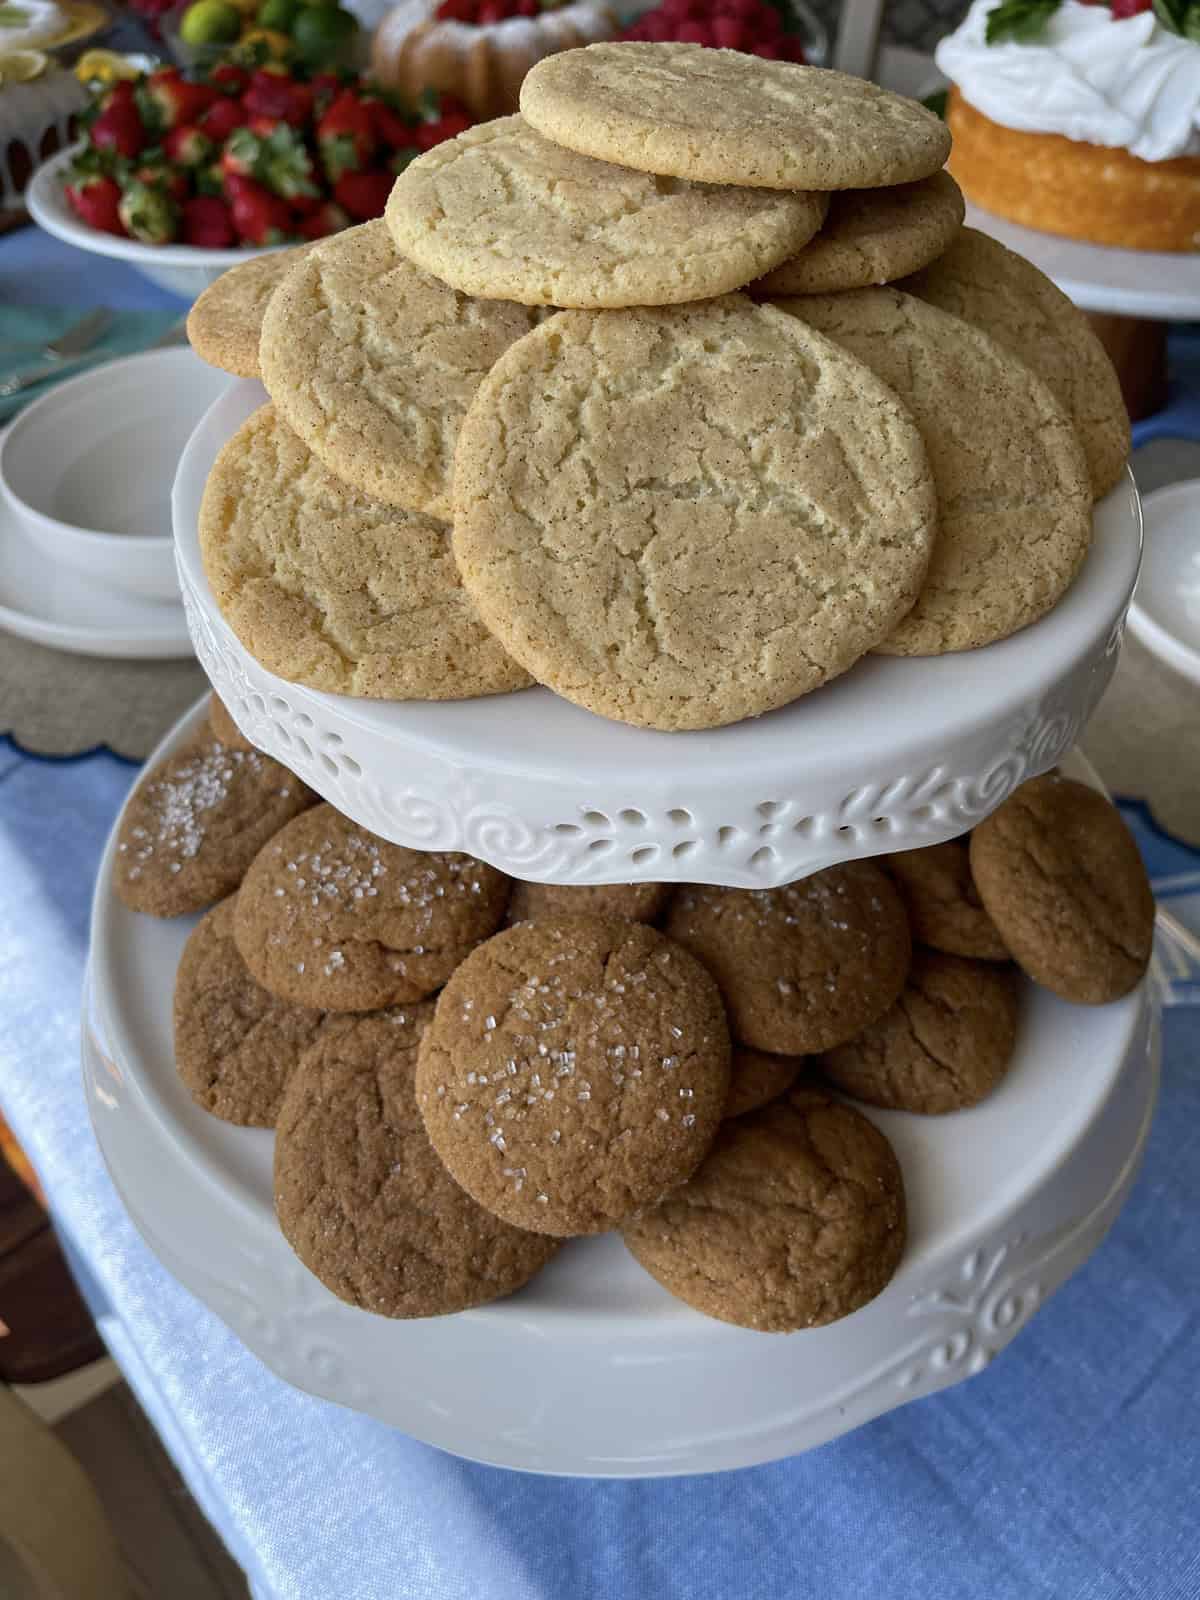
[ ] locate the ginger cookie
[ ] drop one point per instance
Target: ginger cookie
(373, 363)
(236, 1046)
(360, 1195)
(943, 904)
(574, 1071)
(637, 902)
(327, 587)
(873, 236)
(224, 325)
(331, 916)
(796, 1218)
(803, 967)
(1018, 306)
(944, 1045)
(224, 729)
(677, 518)
(718, 116)
(565, 230)
(757, 1078)
(1014, 497)
(1061, 877)
(195, 822)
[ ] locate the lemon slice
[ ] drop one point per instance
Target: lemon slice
(22, 66)
(104, 65)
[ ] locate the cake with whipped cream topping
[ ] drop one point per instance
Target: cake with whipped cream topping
(1079, 119)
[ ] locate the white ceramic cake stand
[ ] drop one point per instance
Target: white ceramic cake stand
(1156, 285)
(893, 754)
(593, 1368)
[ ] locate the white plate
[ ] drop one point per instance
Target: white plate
(184, 269)
(593, 1368)
(893, 753)
(52, 605)
(1165, 614)
(1128, 283)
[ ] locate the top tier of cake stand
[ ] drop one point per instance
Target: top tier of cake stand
(894, 754)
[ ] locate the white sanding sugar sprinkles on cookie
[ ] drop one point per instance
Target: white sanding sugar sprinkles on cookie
(681, 517)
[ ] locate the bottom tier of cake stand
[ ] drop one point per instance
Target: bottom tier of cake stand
(593, 1369)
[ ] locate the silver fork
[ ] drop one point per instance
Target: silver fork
(17, 382)
(80, 336)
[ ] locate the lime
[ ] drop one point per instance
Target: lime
(323, 34)
(22, 66)
(277, 15)
(210, 22)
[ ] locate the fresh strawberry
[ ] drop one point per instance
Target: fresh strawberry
(363, 194)
(210, 179)
(446, 126)
(208, 223)
(166, 99)
(457, 11)
(221, 118)
(1131, 8)
(229, 78)
(326, 219)
(95, 200)
(259, 216)
(285, 99)
(118, 129)
(345, 136)
(188, 146)
(149, 213)
(731, 33)
(286, 166)
(326, 86)
(493, 11)
(392, 130)
(242, 154)
(158, 175)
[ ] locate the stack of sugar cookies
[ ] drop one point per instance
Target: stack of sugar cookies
(462, 1072)
(621, 397)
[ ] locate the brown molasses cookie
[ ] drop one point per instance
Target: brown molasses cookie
(804, 967)
(575, 1070)
(756, 1078)
(945, 1044)
(361, 1197)
(224, 728)
(331, 916)
(1061, 877)
(795, 1219)
(636, 902)
(196, 822)
(236, 1046)
(943, 904)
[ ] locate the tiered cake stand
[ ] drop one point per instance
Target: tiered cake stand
(593, 1368)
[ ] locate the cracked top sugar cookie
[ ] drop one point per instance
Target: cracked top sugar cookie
(372, 362)
(501, 212)
(1014, 497)
(685, 516)
(225, 324)
(718, 116)
(997, 290)
(327, 587)
(872, 236)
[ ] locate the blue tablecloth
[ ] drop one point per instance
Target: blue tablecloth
(1068, 1470)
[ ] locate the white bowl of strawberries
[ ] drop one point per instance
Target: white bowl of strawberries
(184, 177)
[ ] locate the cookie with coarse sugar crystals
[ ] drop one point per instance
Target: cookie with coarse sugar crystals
(236, 1046)
(196, 821)
(795, 1219)
(372, 363)
(1018, 306)
(575, 1070)
(360, 1195)
(331, 916)
(873, 236)
(326, 587)
(1014, 496)
(718, 116)
(945, 1044)
(225, 324)
(675, 516)
(502, 213)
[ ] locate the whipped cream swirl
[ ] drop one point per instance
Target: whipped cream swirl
(1127, 83)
